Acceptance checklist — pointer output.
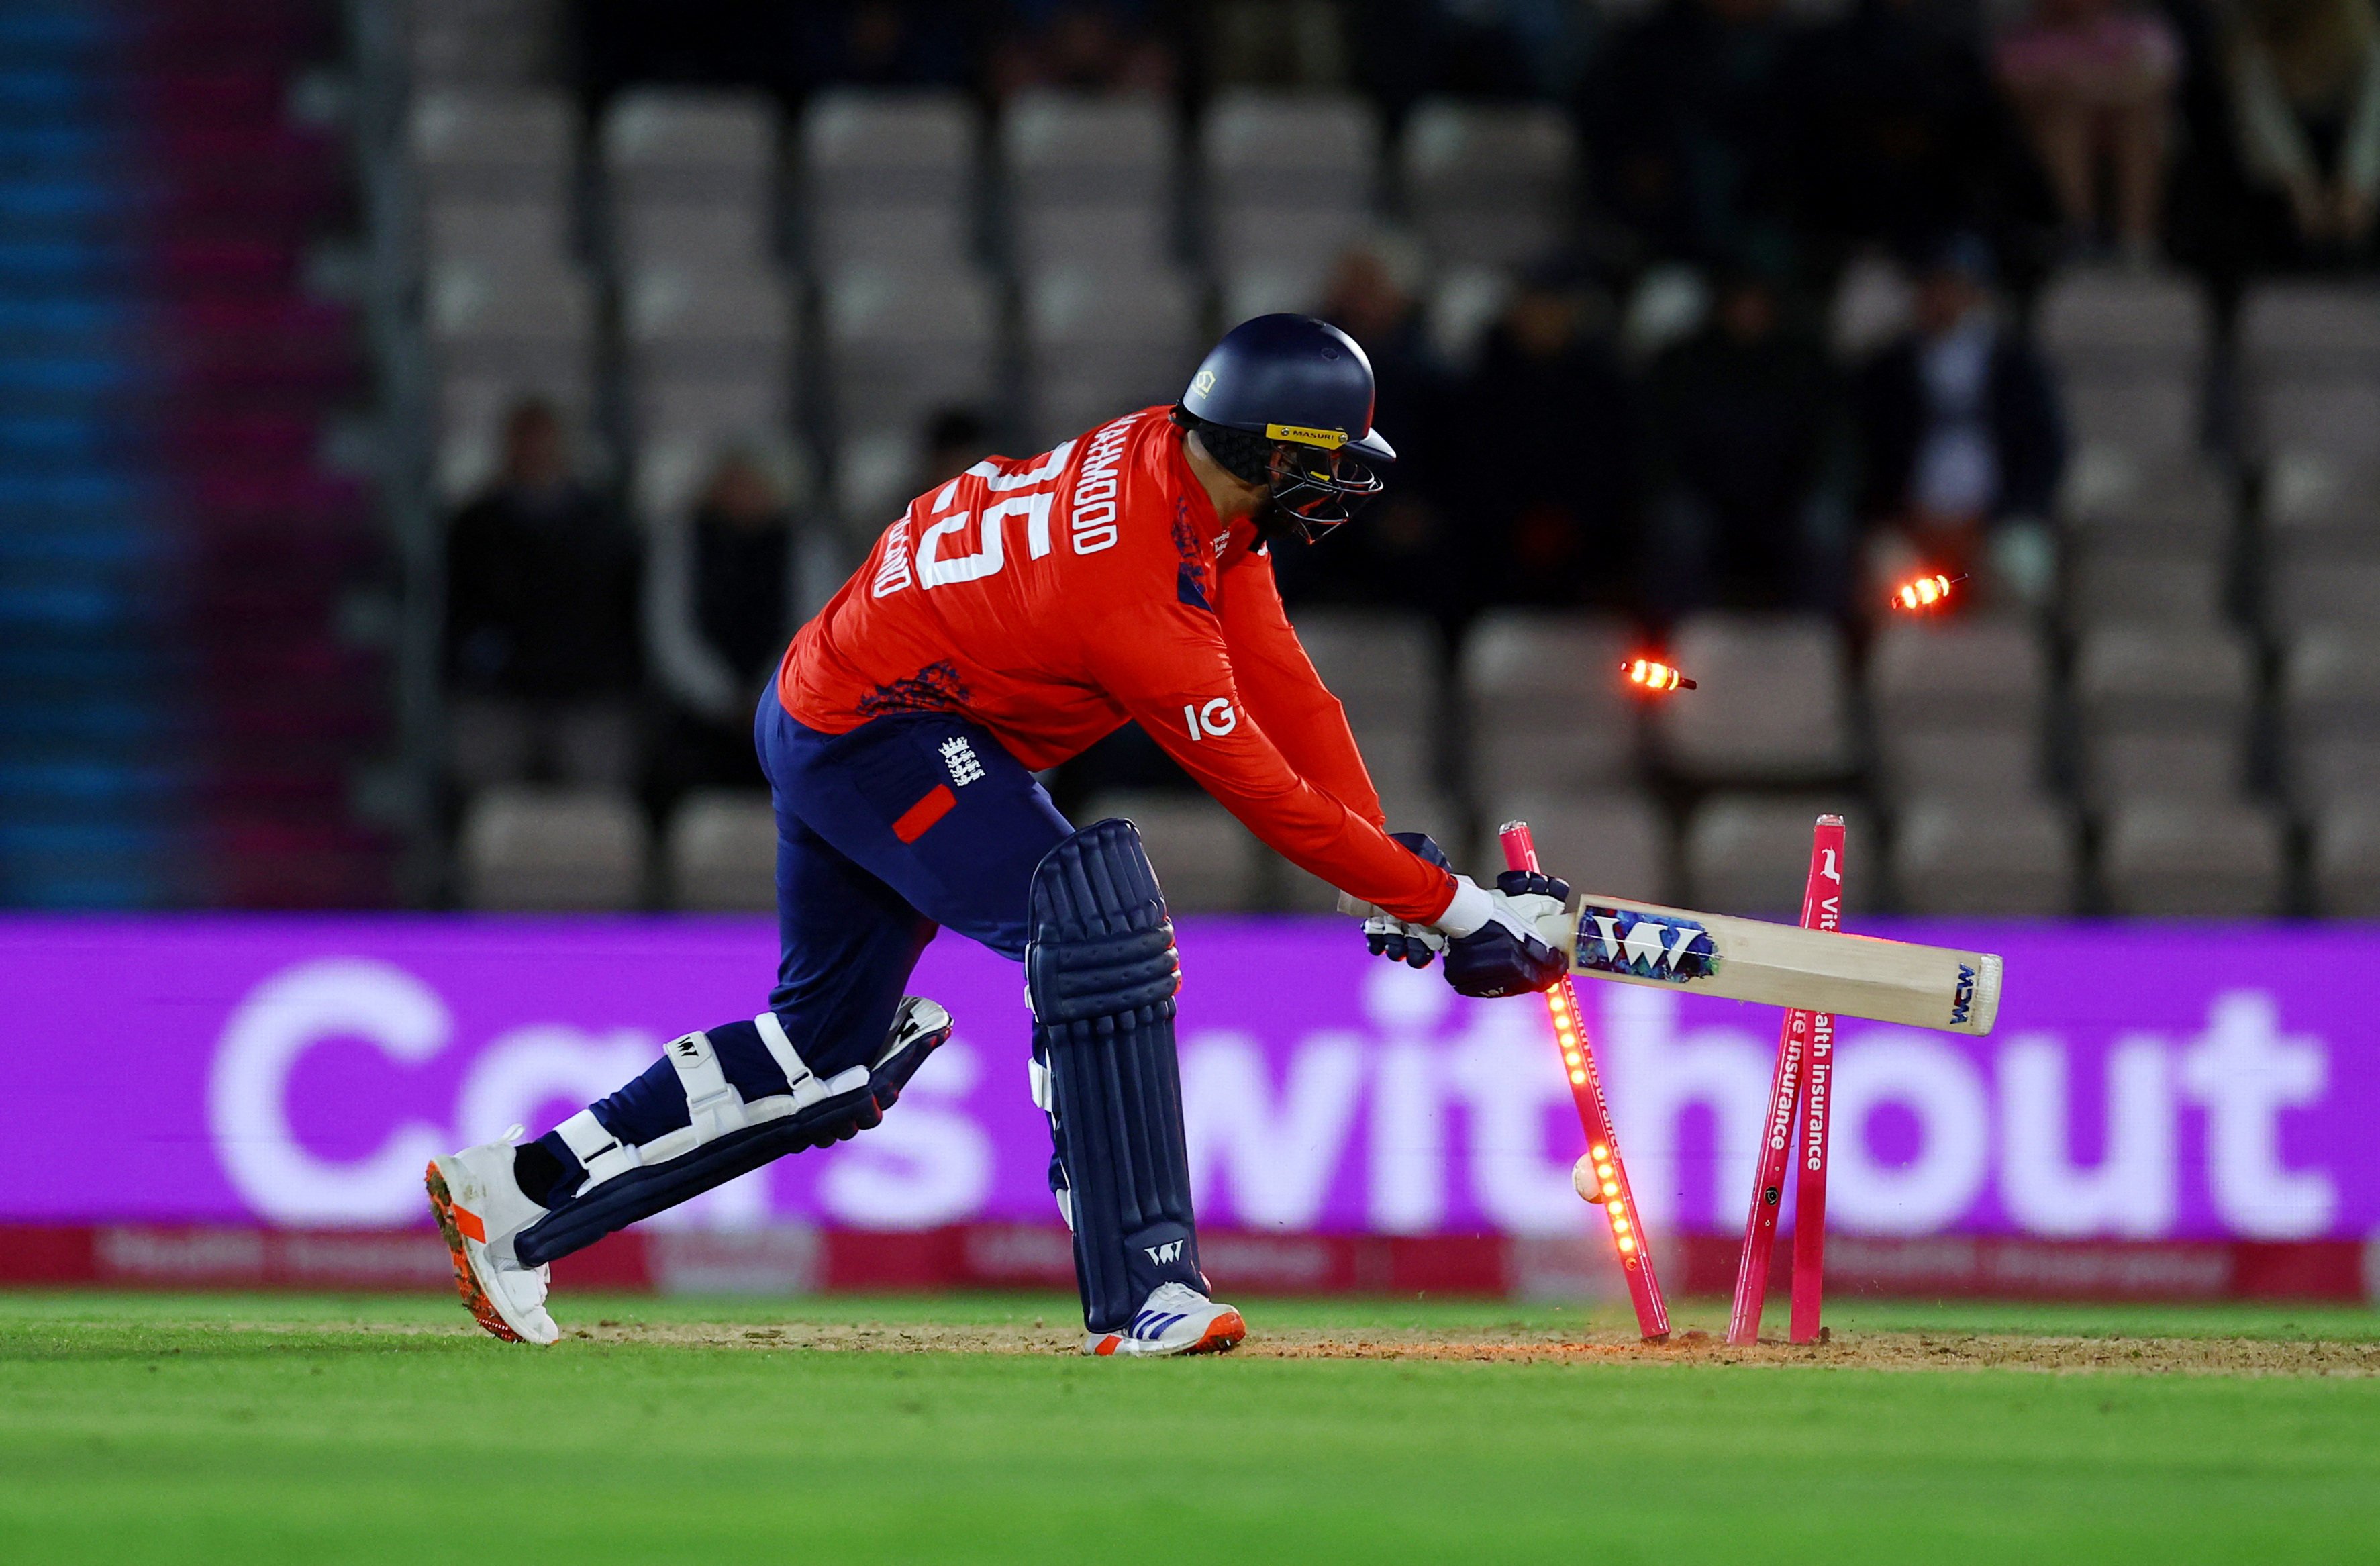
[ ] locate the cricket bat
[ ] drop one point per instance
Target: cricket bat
(1774, 964)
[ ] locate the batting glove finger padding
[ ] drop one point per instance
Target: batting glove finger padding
(1507, 955)
(1387, 936)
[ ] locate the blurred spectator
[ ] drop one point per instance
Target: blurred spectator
(956, 438)
(1541, 454)
(790, 49)
(2305, 82)
(1960, 440)
(1901, 137)
(1745, 444)
(721, 603)
(541, 622)
(2094, 83)
(882, 42)
(1405, 49)
(1685, 114)
(1396, 553)
(1083, 45)
(1275, 42)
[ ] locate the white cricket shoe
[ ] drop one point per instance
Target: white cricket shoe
(1176, 1319)
(480, 1209)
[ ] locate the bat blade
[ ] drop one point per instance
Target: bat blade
(1814, 970)
(1773, 964)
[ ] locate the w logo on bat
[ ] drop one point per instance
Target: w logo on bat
(1619, 941)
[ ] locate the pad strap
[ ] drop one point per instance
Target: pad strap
(713, 1108)
(799, 1079)
(599, 1153)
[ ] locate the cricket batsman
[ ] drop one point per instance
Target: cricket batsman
(1005, 622)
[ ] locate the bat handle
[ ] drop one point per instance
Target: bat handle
(1520, 849)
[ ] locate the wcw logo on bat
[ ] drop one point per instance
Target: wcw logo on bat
(1618, 940)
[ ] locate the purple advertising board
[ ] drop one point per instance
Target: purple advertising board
(2154, 1082)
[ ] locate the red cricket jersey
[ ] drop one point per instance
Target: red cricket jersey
(1052, 598)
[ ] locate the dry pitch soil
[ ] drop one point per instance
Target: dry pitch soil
(1860, 1351)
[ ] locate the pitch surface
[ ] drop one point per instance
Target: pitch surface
(202, 1429)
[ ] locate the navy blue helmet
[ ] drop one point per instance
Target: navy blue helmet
(1285, 401)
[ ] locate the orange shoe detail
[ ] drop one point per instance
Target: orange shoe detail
(474, 1299)
(1222, 1335)
(1108, 1344)
(468, 1223)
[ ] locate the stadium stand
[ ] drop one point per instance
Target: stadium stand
(2193, 859)
(1774, 707)
(719, 853)
(183, 719)
(2164, 713)
(814, 270)
(1750, 853)
(1488, 184)
(1091, 183)
(1987, 854)
(1616, 841)
(1205, 860)
(553, 849)
(1542, 713)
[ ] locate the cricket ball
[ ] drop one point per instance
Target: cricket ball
(1584, 1180)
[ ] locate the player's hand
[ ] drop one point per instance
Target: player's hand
(1385, 935)
(1506, 954)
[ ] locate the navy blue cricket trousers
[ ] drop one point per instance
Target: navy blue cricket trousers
(912, 822)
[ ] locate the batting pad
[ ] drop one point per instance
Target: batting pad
(727, 1135)
(1100, 972)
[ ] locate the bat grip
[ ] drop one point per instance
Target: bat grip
(1520, 849)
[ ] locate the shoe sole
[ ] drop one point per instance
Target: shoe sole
(1222, 1335)
(467, 1281)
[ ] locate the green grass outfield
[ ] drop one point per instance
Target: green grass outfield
(278, 1429)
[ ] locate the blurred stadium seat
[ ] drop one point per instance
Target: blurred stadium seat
(1978, 854)
(1615, 841)
(2347, 858)
(2193, 859)
(1750, 854)
(2147, 538)
(495, 144)
(701, 324)
(1206, 861)
(2321, 517)
(1960, 706)
(1383, 667)
(720, 852)
(481, 41)
(496, 336)
(523, 849)
(1100, 342)
(1545, 711)
(1090, 182)
(2330, 714)
(2164, 712)
(1774, 704)
(1289, 178)
(890, 179)
(2309, 354)
(671, 146)
(1488, 184)
(902, 341)
(2131, 352)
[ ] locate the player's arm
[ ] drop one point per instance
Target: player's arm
(1284, 694)
(1168, 667)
